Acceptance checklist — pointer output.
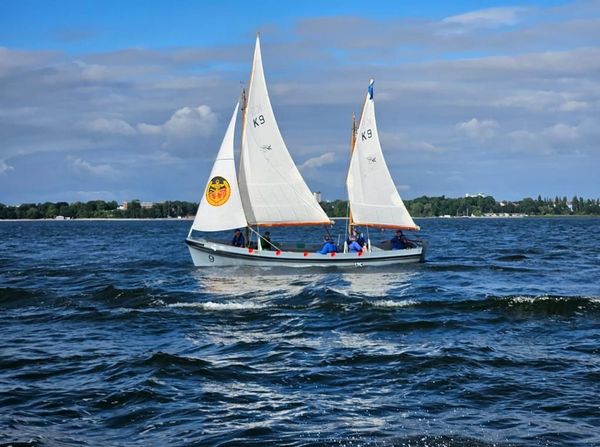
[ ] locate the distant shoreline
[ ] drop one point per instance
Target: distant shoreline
(175, 219)
(80, 219)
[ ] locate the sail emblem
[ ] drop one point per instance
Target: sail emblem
(218, 191)
(266, 147)
(371, 159)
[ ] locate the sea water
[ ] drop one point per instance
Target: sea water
(109, 336)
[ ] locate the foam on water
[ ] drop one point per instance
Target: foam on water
(210, 305)
(393, 303)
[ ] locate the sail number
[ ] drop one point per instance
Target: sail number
(366, 135)
(260, 119)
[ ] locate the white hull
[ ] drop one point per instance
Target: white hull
(213, 254)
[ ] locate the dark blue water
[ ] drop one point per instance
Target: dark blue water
(109, 336)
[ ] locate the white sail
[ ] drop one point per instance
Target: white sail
(221, 208)
(273, 191)
(374, 199)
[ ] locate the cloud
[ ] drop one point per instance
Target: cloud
(558, 138)
(404, 142)
(490, 17)
(181, 132)
(317, 162)
(573, 106)
(17, 60)
(478, 130)
(540, 100)
(424, 146)
(112, 126)
(85, 168)
(149, 129)
(191, 121)
(4, 168)
(560, 134)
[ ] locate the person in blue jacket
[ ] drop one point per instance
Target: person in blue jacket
(328, 246)
(238, 239)
(354, 246)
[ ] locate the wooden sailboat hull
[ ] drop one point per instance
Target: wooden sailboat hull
(213, 254)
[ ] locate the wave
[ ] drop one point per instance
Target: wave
(551, 303)
(117, 297)
(170, 364)
(225, 306)
(325, 298)
(29, 443)
(392, 303)
(526, 304)
(17, 297)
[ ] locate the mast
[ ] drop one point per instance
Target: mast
(243, 104)
(352, 143)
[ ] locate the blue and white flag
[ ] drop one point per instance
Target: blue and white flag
(371, 89)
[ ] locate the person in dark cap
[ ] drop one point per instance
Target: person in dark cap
(238, 239)
(399, 241)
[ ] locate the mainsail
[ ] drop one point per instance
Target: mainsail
(374, 199)
(272, 189)
(221, 207)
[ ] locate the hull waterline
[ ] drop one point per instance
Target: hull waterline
(213, 254)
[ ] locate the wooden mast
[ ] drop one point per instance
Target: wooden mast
(245, 97)
(352, 143)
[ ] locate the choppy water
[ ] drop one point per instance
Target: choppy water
(109, 336)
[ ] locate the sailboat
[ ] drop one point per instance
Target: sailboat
(269, 191)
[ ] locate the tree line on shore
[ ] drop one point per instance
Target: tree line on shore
(480, 205)
(98, 209)
(420, 207)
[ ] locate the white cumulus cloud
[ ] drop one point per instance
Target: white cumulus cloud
(185, 122)
(478, 130)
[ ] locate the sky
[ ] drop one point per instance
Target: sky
(130, 100)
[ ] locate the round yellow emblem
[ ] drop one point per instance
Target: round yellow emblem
(218, 191)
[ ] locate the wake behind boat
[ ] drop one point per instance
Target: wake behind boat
(269, 191)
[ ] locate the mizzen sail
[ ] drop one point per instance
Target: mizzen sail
(220, 207)
(272, 189)
(374, 198)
